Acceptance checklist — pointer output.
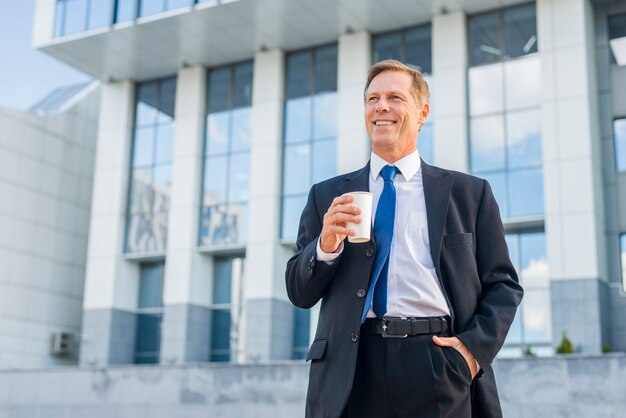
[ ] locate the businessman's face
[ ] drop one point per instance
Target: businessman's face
(392, 115)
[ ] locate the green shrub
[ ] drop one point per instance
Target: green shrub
(566, 346)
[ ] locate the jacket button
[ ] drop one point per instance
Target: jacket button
(354, 338)
(369, 252)
(360, 293)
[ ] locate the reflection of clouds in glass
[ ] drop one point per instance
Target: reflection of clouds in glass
(485, 85)
(523, 127)
(536, 273)
(523, 83)
(537, 323)
(487, 143)
(298, 120)
(325, 114)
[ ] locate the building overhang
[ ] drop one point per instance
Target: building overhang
(212, 35)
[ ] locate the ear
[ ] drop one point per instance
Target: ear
(424, 111)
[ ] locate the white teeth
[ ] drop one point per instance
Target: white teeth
(383, 122)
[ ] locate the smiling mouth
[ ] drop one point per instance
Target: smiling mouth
(383, 123)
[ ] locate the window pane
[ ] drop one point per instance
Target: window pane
(485, 90)
(218, 131)
(536, 313)
(298, 120)
(623, 259)
(299, 74)
(522, 83)
(162, 187)
(100, 13)
(148, 7)
(146, 104)
(222, 224)
(220, 335)
(59, 19)
(140, 233)
(515, 332)
(520, 30)
(619, 131)
(242, 129)
(484, 33)
(526, 192)
(325, 115)
(534, 268)
(617, 36)
(487, 144)
(292, 210)
(215, 180)
(301, 332)
(512, 242)
(167, 100)
(75, 16)
(164, 143)
(143, 151)
(148, 338)
(324, 160)
(425, 143)
(125, 10)
(242, 91)
(174, 4)
(239, 175)
(222, 271)
(326, 69)
(387, 47)
(141, 197)
(497, 181)
(151, 286)
(219, 90)
(418, 48)
(297, 166)
(523, 132)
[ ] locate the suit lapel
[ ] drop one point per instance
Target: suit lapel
(437, 186)
(357, 181)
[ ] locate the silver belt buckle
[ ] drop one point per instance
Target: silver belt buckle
(385, 321)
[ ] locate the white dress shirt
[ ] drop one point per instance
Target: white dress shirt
(413, 287)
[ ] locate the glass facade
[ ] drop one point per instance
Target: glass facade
(617, 39)
(532, 325)
(226, 310)
(412, 46)
(310, 129)
(226, 182)
(505, 116)
(149, 314)
(301, 333)
(151, 166)
(619, 138)
(73, 16)
(622, 246)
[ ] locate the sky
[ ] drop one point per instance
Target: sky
(27, 75)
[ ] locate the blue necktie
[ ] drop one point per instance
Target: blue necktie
(383, 233)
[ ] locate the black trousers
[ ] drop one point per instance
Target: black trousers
(409, 378)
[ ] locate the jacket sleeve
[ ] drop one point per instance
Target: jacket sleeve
(306, 277)
(501, 291)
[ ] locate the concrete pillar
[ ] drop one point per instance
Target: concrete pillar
(574, 210)
(355, 57)
(188, 274)
(43, 22)
(111, 282)
(449, 112)
(269, 314)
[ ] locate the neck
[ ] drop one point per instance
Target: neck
(392, 155)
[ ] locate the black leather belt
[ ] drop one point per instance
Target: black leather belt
(394, 327)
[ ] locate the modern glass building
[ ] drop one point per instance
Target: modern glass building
(217, 116)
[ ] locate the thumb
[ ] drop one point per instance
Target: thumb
(444, 341)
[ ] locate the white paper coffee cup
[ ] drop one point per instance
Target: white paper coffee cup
(362, 200)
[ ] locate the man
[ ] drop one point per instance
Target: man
(410, 321)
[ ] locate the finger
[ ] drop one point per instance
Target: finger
(342, 200)
(446, 341)
(339, 218)
(338, 230)
(344, 208)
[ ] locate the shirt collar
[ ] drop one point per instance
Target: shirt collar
(408, 165)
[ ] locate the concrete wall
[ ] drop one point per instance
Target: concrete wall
(571, 386)
(46, 175)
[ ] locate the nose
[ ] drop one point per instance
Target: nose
(382, 105)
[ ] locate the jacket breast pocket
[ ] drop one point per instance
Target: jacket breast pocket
(458, 239)
(317, 350)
